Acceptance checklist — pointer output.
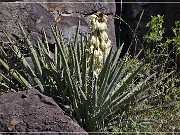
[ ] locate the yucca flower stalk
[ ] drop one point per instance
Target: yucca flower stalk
(100, 44)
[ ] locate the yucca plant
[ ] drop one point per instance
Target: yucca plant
(93, 100)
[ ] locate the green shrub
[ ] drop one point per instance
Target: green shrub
(164, 53)
(159, 112)
(156, 29)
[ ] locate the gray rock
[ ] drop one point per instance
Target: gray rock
(85, 7)
(67, 15)
(32, 16)
(35, 16)
(30, 111)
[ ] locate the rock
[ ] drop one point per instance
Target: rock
(35, 16)
(30, 111)
(9, 0)
(85, 7)
(31, 15)
(67, 15)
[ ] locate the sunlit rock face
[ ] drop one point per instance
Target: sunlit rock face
(67, 15)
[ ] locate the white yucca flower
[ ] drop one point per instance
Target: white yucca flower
(104, 35)
(99, 42)
(93, 40)
(101, 26)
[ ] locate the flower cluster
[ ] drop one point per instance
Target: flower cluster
(99, 42)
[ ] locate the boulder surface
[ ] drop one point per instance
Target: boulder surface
(31, 111)
(32, 16)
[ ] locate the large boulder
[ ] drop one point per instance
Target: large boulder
(30, 111)
(33, 16)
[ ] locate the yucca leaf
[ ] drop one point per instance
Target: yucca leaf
(104, 70)
(34, 56)
(90, 75)
(59, 36)
(82, 45)
(128, 81)
(84, 71)
(62, 43)
(67, 71)
(5, 88)
(79, 49)
(25, 64)
(45, 41)
(76, 37)
(16, 75)
(95, 94)
(129, 97)
(41, 55)
(107, 100)
(56, 57)
(77, 67)
(71, 56)
(116, 56)
(114, 80)
(87, 103)
(77, 111)
(7, 80)
(103, 78)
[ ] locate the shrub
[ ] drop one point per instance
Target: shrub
(159, 109)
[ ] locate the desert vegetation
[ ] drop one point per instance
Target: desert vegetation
(99, 89)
